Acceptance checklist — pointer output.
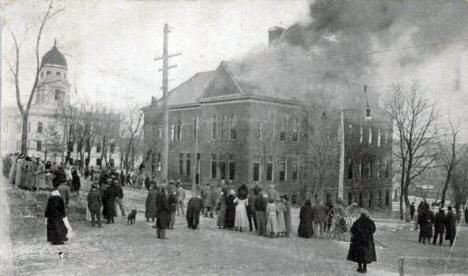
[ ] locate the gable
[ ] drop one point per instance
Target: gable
(221, 85)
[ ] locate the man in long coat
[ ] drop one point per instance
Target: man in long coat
(110, 194)
(260, 213)
(230, 216)
(426, 218)
(194, 208)
(162, 213)
(450, 225)
(362, 247)
(439, 226)
(55, 213)
(94, 205)
(306, 221)
(150, 205)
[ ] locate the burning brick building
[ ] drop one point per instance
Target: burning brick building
(224, 130)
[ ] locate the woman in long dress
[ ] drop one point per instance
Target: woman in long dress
(31, 175)
(242, 220)
(272, 221)
(306, 225)
(150, 205)
(362, 247)
(287, 215)
(40, 176)
(55, 213)
(230, 211)
(221, 210)
(280, 217)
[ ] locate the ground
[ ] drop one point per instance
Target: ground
(121, 249)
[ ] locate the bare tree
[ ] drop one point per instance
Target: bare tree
(449, 151)
(53, 143)
(14, 67)
(414, 118)
(133, 124)
(459, 179)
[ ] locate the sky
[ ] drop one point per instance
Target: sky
(110, 47)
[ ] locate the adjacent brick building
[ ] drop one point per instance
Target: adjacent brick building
(221, 130)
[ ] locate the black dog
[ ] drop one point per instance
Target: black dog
(131, 217)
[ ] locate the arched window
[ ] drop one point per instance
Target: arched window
(370, 135)
(378, 137)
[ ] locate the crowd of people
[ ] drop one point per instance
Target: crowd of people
(434, 226)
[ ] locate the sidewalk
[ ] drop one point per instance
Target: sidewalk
(6, 247)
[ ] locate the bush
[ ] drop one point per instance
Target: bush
(7, 163)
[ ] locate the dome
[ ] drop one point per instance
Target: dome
(54, 57)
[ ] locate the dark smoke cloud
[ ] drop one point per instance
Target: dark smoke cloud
(342, 42)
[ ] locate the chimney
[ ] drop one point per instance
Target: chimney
(274, 35)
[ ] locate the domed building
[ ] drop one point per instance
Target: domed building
(47, 128)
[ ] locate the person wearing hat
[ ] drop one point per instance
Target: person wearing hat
(362, 247)
(230, 216)
(162, 213)
(180, 198)
(55, 214)
(450, 226)
(194, 207)
(94, 205)
(172, 201)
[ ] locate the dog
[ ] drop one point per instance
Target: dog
(131, 217)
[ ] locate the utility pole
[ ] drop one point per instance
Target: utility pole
(165, 70)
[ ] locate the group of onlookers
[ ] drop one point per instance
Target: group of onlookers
(34, 174)
(434, 226)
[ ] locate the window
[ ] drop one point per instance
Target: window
(98, 147)
(370, 135)
(159, 132)
(223, 127)
(112, 147)
(378, 167)
(172, 132)
(259, 130)
(350, 168)
(39, 145)
(158, 164)
(387, 169)
(214, 127)
(269, 169)
(48, 73)
(57, 74)
(222, 169)
(232, 167)
(294, 170)
(362, 170)
(350, 198)
(378, 137)
(195, 127)
(387, 198)
(370, 170)
(283, 129)
(181, 164)
(98, 162)
(315, 197)
(213, 166)
(380, 199)
(371, 199)
(39, 127)
(360, 135)
(385, 138)
(361, 203)
(187, 165)
(282, 169)
(232, 127)
(179, 131)
(57, 95)
(256, 171)
(295, 131)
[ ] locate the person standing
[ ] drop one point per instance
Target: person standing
(306, 226)
(260, 213)
(287, 215)
(450, 225)
(426, 218)
(76, 182)
(241, 220)
(12, 174)
(147, 182)
(210, 201)
(94, 205)
(180, 199)
(40, 176)
(194, 208)
(272, 220)
(64, 192)
(230, 211)
(320, 218)
(110, 194)
(122, 178)
(412, 211)
(221, 210)
(55, 214)
(119, 197)
(362, 247)
(162, 213)
(251, 211)
(150, 204)
(30, 174)
(280, 217)
(439, 226)
(172, 201)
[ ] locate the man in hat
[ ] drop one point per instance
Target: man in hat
(94, 205)
(439, 226)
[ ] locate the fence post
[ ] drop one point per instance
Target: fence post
(401, 262)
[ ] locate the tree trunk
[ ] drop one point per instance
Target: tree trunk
(444, 190)
(401, 204)
(402, 185)
(24, 133)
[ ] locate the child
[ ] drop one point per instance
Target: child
(272, 222)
